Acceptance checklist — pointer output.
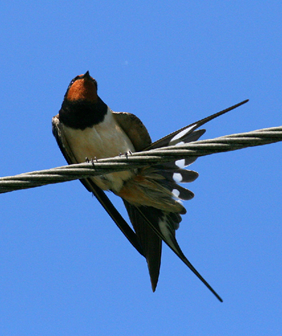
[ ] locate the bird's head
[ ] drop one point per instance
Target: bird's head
(82, 87)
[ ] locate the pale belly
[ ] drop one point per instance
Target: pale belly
(101, 141)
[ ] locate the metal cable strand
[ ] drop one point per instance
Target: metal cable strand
(139, 159)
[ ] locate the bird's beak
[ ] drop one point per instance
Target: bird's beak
(86, 75)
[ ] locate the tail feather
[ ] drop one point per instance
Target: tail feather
(164, 225)
(181, 163)
(190, 130)
(181, 193)
(152, 224)
(150, 242)
(178, 175)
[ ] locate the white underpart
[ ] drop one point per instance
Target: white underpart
(104, 140)
(181, 134)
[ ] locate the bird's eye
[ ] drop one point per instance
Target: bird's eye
(75, 78)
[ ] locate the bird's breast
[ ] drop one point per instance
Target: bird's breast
(103, 140)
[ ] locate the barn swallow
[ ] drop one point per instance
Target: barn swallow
(87, 128)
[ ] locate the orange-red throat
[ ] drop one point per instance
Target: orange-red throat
(83, 87)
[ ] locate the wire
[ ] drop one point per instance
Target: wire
(139, 159)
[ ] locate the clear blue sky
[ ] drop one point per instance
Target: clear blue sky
(65, 269)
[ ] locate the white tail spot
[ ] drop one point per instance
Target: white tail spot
(181, 134)
(177, 177)
(180, 163)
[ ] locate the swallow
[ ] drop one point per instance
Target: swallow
(86, 127)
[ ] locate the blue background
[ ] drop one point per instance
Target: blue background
(65, 269)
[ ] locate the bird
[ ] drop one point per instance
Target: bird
(86, 128)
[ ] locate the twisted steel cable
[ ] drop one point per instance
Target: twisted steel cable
(139, 159)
